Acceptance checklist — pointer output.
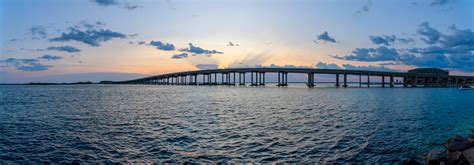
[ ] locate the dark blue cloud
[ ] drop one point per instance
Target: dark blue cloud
(370, 67)
(206, 66)
(92, 37)
(458, 39)
(322, 65)
(162, 46)
(27, 65)
(381, 53)
(38, 32)
(363, 9)
(50, 57)
(431, 35)
(197, 50)
(180, 56)
(106, 2)
(440, 2)
(141, 42)
(406, 40)
(386, 40)
(66, 48)
(326, 38)
(453, 50)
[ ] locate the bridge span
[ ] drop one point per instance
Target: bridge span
(236, 76)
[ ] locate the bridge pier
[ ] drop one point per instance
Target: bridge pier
(414, 82)
(337, 79)
(391, 82)
(282, 79)
(383, 81)
(360, 81)
(345, 80)
(215, 79)
(262, 78)
(310, 80)
(241, 74)
(368, 80)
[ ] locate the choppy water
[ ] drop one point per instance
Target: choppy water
(135, 123)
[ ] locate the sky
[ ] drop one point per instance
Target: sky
(94, 40)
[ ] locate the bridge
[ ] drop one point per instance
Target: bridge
(257, 77)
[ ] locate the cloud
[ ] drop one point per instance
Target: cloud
(206, 66)
(370, 67)
(92, 37)
(50, 57)
(162, 46)
(440, 2)
(279, 66)
(130, 6)
(141, 42)
(452, 50)
(406, 40)
(180, 56)
(66, 48)
(27, 65)
(458, 39)
(326, 38)
(364, 8)
(431, 35)
(106, 3)
(322, 65)
(386, 40)
(232, 44)
(38, 32)
(197, 50)
(381, 53)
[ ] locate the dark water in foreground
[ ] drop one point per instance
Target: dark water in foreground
(121, 123)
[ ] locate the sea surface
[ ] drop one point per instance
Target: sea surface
(147, 123)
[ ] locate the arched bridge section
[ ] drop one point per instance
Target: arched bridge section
(236, 76)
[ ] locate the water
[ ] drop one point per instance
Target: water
(139, 123)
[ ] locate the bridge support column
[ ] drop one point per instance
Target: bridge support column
(360, 81)
(195, 79)
(215, 79)
(345, 80)
(383, 81)
(414, 82)
(337, 80)
(310, 80)
(392, 84)
(405, 81)
(262, 78)
(251, 78)
(368, 80)
(282, 79)
(242, 77)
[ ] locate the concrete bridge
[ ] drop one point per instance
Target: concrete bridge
(236, 76)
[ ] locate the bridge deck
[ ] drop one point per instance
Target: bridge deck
(310, 71)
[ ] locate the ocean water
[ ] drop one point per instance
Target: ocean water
(146, 123)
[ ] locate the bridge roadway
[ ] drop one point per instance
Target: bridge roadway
(257, 77)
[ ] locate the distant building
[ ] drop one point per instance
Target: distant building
(429, 71)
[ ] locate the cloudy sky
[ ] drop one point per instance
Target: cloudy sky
(78, 40)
